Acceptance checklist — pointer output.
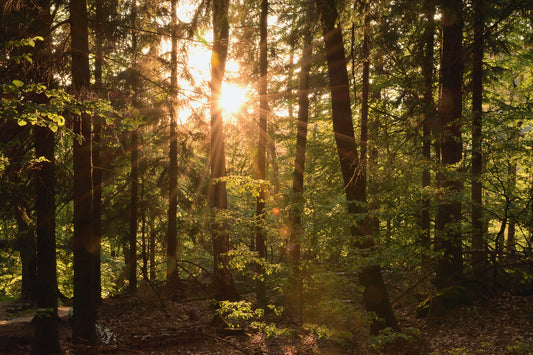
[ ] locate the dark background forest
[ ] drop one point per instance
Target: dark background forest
(266, 176)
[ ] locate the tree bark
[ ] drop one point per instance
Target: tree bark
(172, 237)
(261, 152)
(478, 245)
(96, 148)
(448, 240)
(134, 212)
(223, 279)
(429, 114)
(375, 294)
(84, 243)
(151, 250)
(46, 329)
(295, 213)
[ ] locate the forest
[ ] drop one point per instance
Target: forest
(266, 176)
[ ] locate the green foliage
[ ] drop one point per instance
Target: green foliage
(10, 276)
(238, 314)
(271, 330)
(520, 347)
(389, 337)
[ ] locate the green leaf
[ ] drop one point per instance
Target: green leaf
(17, 83)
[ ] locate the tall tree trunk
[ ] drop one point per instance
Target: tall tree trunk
(448, 240)
(84, 244)
(46, 328)
(429, 114)
(172, 237)
(46, 340)
(365, 90)
(295, 213)
(260, 246)
(144, 251)
(151, 250)
(511, 229)
(375, 294)
(96, 148)
(223, 279)
(134, 198)
(478, 245)
(134, 149)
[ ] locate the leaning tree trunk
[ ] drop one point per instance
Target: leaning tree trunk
(223, 279)
(375, 294)
(478, 246)
(260, 246)
(448, 239)
(84, 244)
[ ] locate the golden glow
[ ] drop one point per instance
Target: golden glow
(232, 98)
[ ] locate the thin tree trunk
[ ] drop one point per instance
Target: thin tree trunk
(511, 229)
(134, 199)
(365, 89)
(295, 213)
(172, 237)
(96, 147)
(84, 244)
(151, 250)
(223, 279)
(448, 239)
(261, 151)
(429, 114)
(375, 294)
(144, 251)
(478, 245)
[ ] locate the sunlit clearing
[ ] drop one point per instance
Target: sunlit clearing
(232, 98)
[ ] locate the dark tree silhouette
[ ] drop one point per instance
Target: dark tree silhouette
(84, 243)
(260, 246)
(448, 238)
(218, 201)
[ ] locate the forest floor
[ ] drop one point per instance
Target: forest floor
(141, 325)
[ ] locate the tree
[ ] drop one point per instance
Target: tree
(132, 259)
(261, 149)
(375, 295)
(134, 193)
(429, 110)
(478, 248)
(295, 213)
(96, 147)
(173, 153)
(218, 201)
(84, 243)
(448, 239)
(46, 328)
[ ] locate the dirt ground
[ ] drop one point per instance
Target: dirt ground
(141, 325)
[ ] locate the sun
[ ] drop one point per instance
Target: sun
(232, 98)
